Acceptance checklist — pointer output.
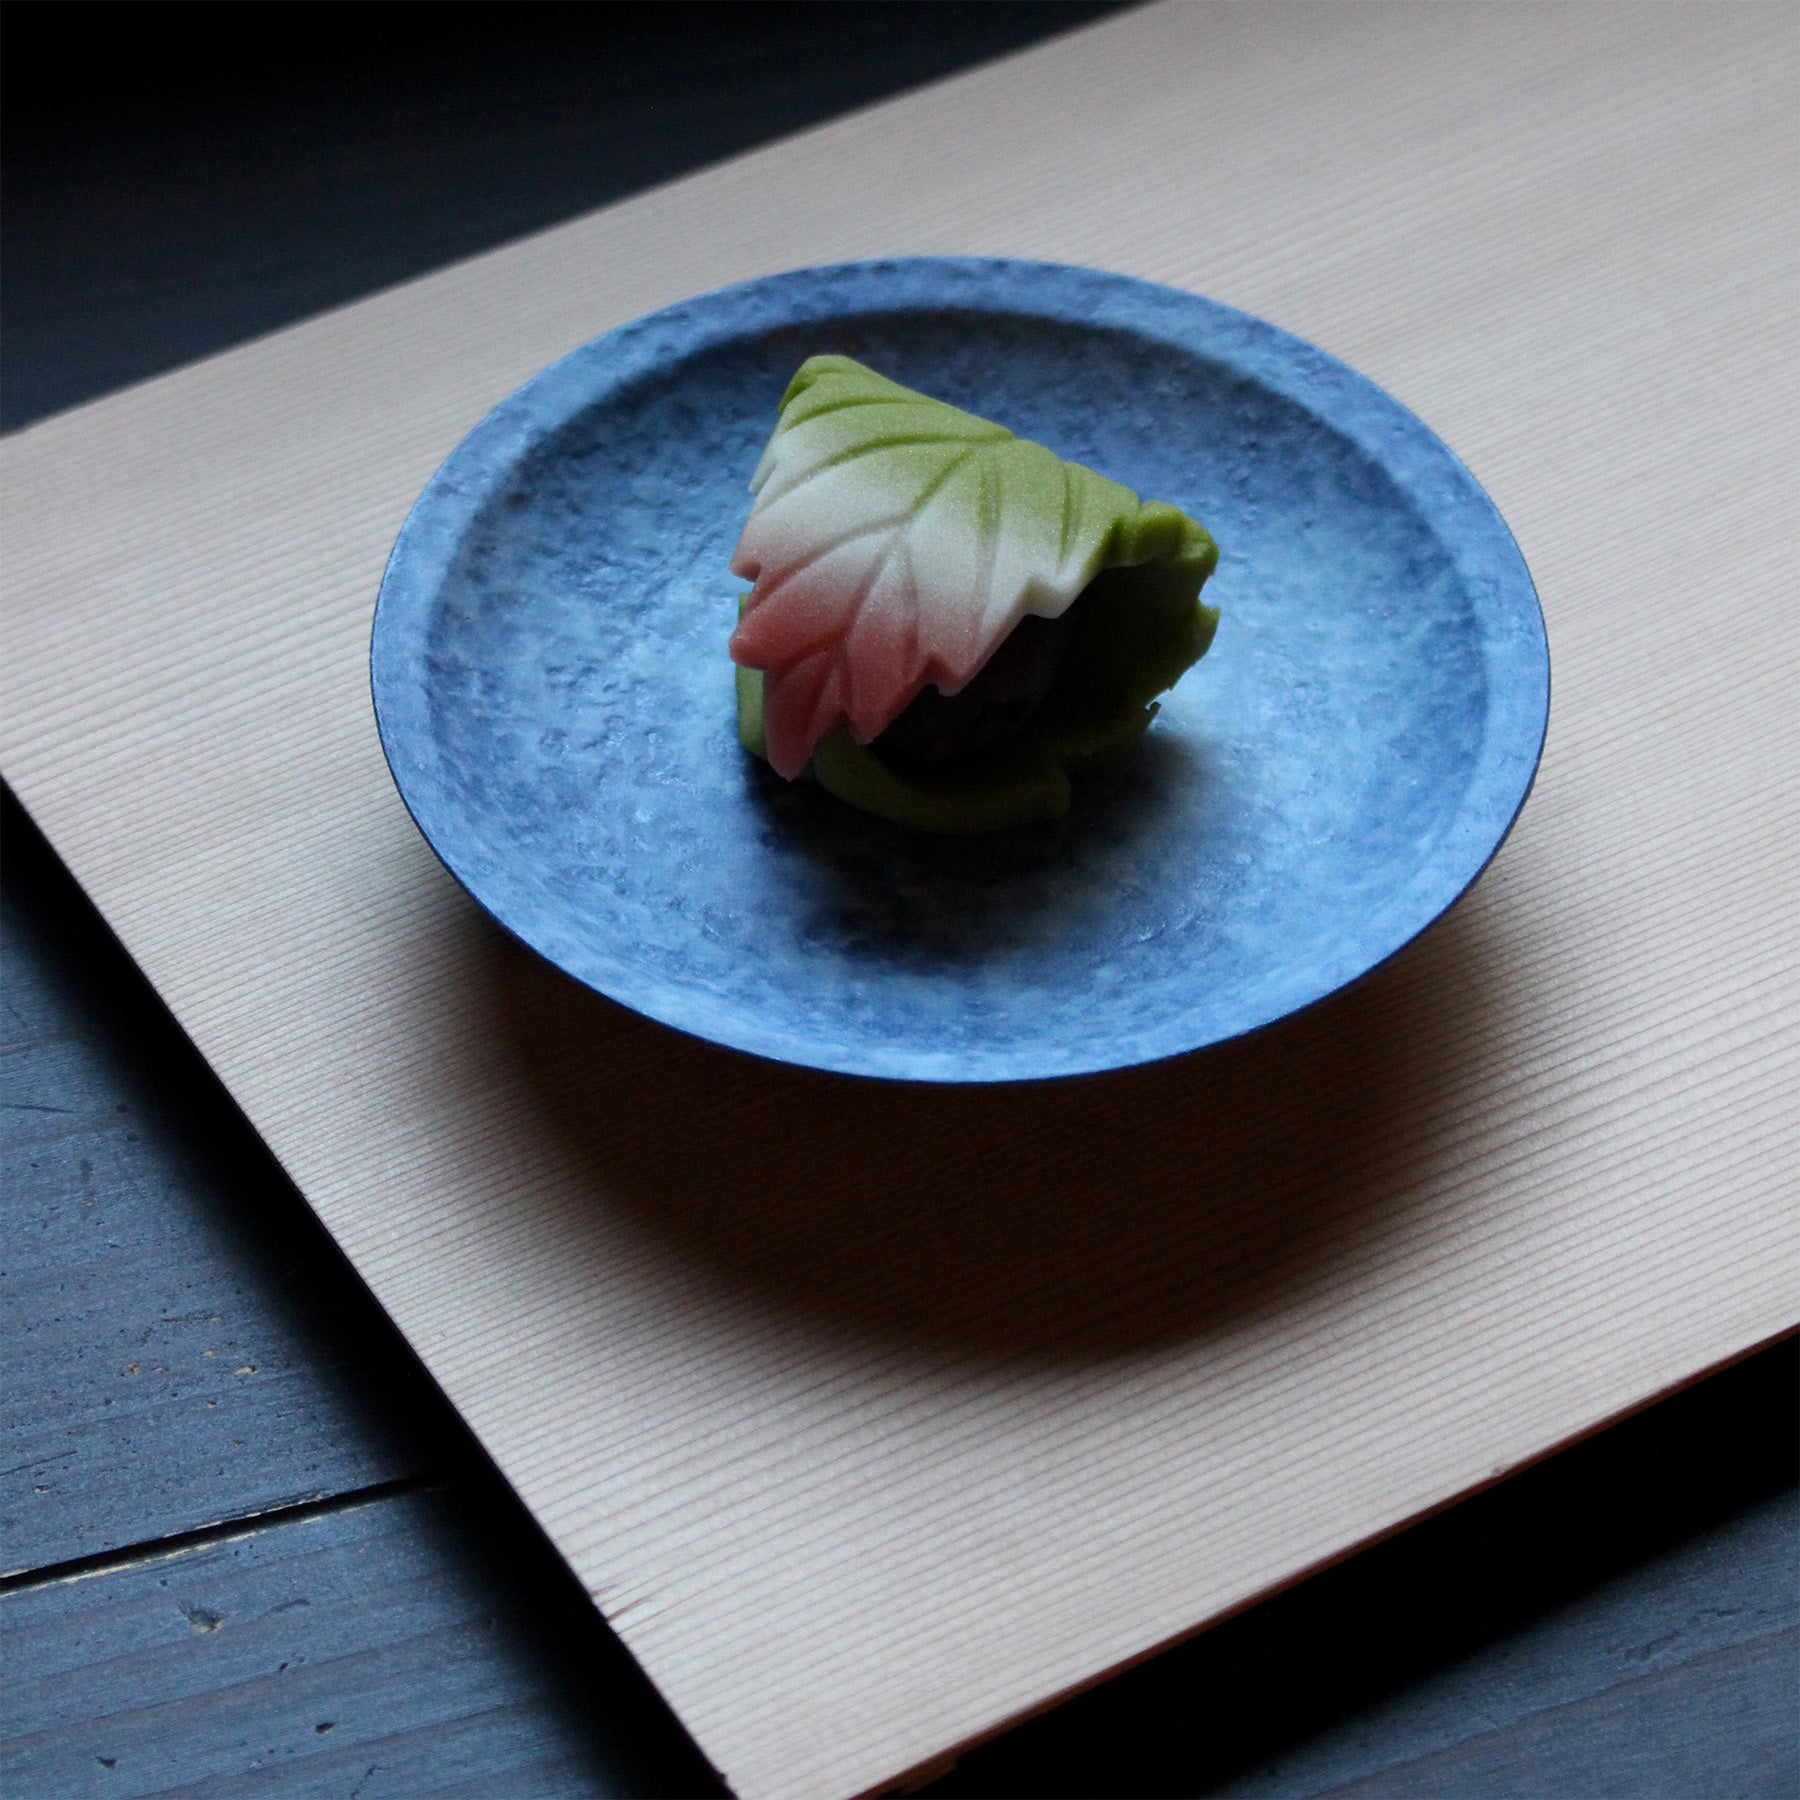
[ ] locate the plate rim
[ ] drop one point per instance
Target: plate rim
(1427, 472)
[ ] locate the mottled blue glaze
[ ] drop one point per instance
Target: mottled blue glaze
(554, 697)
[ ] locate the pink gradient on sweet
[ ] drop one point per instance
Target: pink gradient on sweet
(847, 633)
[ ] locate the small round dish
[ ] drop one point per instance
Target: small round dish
(554, 698)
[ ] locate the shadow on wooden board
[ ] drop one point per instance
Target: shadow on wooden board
(1073, 1219)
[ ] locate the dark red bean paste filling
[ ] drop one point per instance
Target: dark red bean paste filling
(938, 728)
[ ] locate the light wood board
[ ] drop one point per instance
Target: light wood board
(874, 1417)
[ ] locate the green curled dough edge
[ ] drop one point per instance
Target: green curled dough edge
(1141, 626)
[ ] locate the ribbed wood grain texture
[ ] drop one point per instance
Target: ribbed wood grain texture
(876, 1417)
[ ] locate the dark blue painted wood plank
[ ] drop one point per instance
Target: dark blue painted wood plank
(183, 1343)
(1671, 1537)
(174, 185)
(380, 1648)
(1723, 1726)
(445, 1650)
(1687, 1661)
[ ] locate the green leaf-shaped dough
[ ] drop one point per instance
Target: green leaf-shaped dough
(897, 541)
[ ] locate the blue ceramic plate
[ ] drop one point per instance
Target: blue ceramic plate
(555, 701)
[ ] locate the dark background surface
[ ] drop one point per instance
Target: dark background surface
(249, 1550)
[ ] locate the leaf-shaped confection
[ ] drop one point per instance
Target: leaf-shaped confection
(895, 541)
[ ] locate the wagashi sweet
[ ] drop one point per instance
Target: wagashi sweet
(946, 621)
